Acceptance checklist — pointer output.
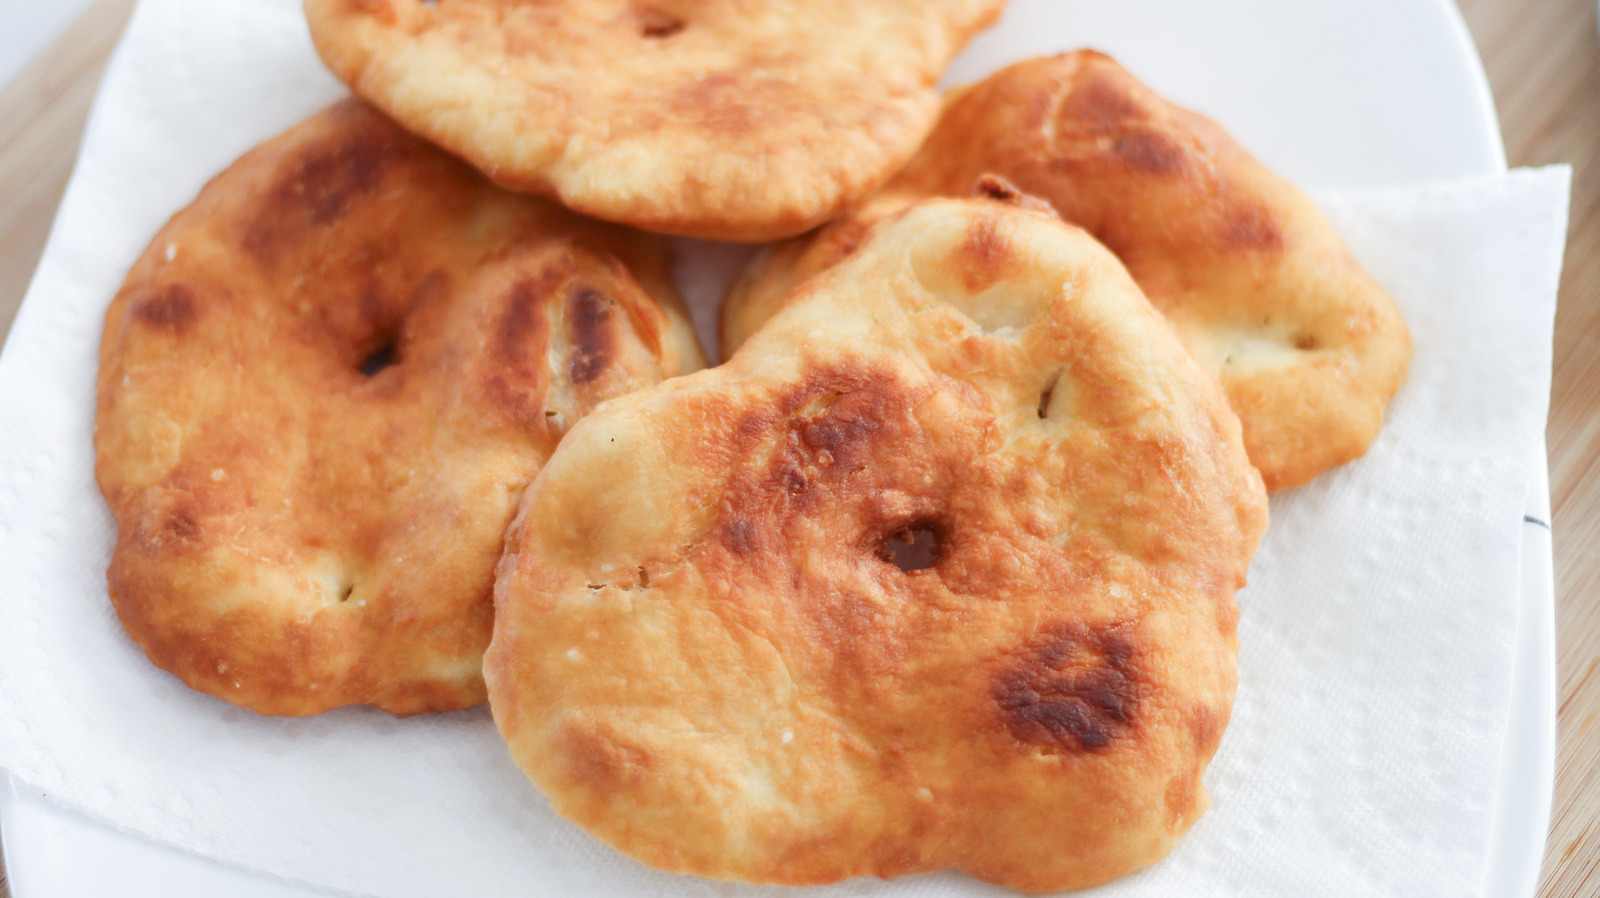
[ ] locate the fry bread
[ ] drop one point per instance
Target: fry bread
(937, 572)
(322, 389)
(1308, 347)
(748, 120)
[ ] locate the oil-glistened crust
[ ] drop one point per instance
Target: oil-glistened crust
(937, 571)
(1308, 347)
(729, 119)
(321, 391)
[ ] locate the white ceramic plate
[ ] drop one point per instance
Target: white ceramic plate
(1331, 93)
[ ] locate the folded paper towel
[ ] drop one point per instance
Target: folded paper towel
(1376, 633)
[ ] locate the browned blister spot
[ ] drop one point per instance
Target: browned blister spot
(740, 535)
(589, 326)
(730, 102)
(984, 257)
(174, 309)
(329, 180)
(1205, 725)
(1100, 104)
(180, 524)
(855, 408)
(1151, 152)
(840, 433)
(601, 761)
(171, 521)
(378, 8)
(518, 327)
(317, 188)
(1075, 689)
(1251, 227)
(518, 339)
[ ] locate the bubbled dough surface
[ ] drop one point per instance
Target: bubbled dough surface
(703, 656)
(1309, 349)
(741, 120)
(293, 534)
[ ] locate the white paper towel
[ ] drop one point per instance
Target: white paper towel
(1376, 633)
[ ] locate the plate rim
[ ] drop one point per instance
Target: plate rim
(1536, 630)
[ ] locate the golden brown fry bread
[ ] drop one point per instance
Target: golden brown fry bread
(739, 120)
(1308, 348)
(718, 650)
(323, 388)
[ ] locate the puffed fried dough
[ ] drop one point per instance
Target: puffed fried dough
(742, 120)
(1308, 347)
(300, 527)
(706, 650)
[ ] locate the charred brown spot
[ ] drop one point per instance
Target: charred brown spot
(1205, 726)
(588, 321)
(740, 535)
(515, 370)
(180, 524)
(1151, 152)
(1307, 342)
(171, 523)
(173, 309)
(845, 428)
(656, 24)
(984, 257)
(518, 328)
(319, 187)
(327, 182)
(1100, 103)
(1251, 227)
(789, 474)
(1074, 689)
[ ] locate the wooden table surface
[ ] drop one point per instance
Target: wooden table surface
(1543, 59)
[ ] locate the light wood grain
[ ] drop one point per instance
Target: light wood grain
(1543, 59)
(42, 112)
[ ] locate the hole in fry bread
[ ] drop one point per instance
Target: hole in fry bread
(380, 359)
(993, 187)
(914, 548)
(655, 24)
(1048, 394)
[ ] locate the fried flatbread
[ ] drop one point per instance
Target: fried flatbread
(738, 120)
(1308, 347)
(322, 389)
(937, 572)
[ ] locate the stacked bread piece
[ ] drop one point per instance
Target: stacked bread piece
(936, 571)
